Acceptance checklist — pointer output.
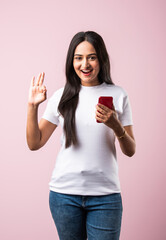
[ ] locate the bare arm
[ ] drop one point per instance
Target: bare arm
(124, 134)
(126, 140)
(37, 134)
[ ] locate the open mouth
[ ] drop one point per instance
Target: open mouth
(87, 72)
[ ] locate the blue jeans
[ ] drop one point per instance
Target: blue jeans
(81, 217)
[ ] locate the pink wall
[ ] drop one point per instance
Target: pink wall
(35, 37)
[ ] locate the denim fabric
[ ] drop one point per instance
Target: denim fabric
(86, 217)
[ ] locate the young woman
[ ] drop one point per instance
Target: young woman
(85, 196)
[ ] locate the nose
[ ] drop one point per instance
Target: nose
(85, 63)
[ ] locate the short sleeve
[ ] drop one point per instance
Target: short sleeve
(125, 116)
(51, 112)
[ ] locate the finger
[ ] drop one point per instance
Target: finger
(44, 90)
(103, 107)
(44, 87)
(99, 115)
(99, 107)
(99, 119)
(99, 110)
(33, 81)
(38, 79)
(41, 79)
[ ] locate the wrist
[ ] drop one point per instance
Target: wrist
(119, 130)
(122, 135)
(32, 105)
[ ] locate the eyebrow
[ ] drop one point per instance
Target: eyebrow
(88, 54)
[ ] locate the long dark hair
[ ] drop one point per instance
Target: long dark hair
(69, 100)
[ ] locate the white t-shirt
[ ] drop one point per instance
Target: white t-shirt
(90, 168)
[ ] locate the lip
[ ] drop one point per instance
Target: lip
(86, 72)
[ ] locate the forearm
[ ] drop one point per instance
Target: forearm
(126, 139)
(33, 131)
(124, 134)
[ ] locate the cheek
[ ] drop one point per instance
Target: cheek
(76, 66)
(97, 67)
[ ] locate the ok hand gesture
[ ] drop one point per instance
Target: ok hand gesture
(37, 92)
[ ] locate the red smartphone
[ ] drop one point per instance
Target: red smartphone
(106, 101)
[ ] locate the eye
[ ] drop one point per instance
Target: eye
(92, 58)
(77, 58)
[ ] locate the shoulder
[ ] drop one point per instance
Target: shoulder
(56, 95)
(118, 90)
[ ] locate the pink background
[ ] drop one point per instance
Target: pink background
(34, 37)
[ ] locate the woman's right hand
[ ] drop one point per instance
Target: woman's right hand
(37, 92)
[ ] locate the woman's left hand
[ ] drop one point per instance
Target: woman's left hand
(109, 117)
(106, 115)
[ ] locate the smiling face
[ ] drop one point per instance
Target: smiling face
(86, 64)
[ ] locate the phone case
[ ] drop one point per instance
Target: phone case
(106, 101)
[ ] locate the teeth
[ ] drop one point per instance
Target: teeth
(86, 71)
